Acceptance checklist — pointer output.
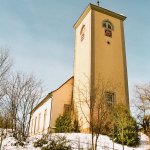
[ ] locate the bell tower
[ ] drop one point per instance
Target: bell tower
(99, 51)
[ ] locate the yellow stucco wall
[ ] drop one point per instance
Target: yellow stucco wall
(82, 58)
(82, 69)
(61, 96)
(94, 57)
(108, 60)
(44, 115)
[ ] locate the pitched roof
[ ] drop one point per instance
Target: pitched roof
(99, 9)
(49, 95)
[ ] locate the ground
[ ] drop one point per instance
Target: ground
(75, 139)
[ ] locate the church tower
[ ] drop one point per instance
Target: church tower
(99, 52)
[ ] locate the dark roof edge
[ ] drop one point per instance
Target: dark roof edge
(101, 9)
(42, 102)
(62, 85)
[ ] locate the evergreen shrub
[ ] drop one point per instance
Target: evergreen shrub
(126, 129)
(57, 144)
(131, 137)
(40, 142)
(63, 124)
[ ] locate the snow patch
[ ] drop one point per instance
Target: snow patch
(75, 140)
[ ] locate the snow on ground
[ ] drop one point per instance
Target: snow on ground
(104, 142)
(75, 139)
(144, 142)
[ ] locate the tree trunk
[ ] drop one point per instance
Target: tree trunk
(92, 140)
(122, 138)
(1, 139)
(96, 142)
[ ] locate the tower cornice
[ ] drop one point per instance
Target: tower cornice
(99, 9)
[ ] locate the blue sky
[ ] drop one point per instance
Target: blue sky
(40, 37)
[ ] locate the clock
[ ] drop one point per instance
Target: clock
(108, 33)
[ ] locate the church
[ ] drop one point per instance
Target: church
(99, 51)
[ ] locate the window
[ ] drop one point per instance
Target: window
(82, 33)
(104, 25)
(110, 98)
(108, 27)
(39, 122)
(66, 108)
(44, 124)
(35, 125)
(32, 122)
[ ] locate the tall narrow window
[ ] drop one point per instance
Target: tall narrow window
(110, 98)
(39, 121)
(45, 114)
(82, 33)
(35, 125)
(108, 27)
(67, 108)
(32, 121)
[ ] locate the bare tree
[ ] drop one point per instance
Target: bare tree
(4, 125)
(14, 94)
(22, 94)
(19, 93)
(5, 65)
(32, 94)
(99, 107)
(1, 133)
(142, 106)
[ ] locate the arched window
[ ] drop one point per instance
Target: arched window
(82, 33)
(107, 25)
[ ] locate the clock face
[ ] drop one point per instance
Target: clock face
(108, 33)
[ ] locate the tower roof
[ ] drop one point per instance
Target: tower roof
(99, 9)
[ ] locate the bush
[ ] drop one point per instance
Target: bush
(126, 129)
(19, 143)
(63, 124)
(131, 137)
(40, 142)
(57, 144)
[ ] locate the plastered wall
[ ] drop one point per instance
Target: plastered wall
(38, 124)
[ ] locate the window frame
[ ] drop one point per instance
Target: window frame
(39, 120)
(68, 107)
(108, 23)
(45, 116)
(111, 94)
(35, 125)
(108, 27)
